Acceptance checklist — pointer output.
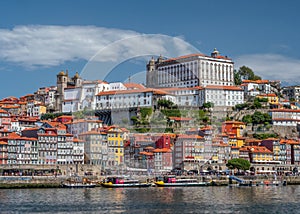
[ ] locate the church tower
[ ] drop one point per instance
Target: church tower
(150, 73)
(61, 83)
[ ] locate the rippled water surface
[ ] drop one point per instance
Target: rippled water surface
(153, 200)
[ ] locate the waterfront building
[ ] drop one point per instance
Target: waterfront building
(260, 154)
(190, 71)
(235, 152)
(21, 150)
(273, 144)
(65, 147)
(78, 151)
(187, 150)
(115, 144)
(27, 150)
(95, 147)
(3, 152)
(207, 133)
(47, 138)
(294, 151)
(244, 153)
(223, 152)
(163, 160)
(136, 144)
(285, 152)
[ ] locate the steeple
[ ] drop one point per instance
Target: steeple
(215, 53)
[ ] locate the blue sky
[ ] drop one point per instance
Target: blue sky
(40, 38)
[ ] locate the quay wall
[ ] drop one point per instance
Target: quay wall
(55, 181)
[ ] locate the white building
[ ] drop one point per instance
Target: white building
(124, 99)
(256, 87)
(77, 98)
(84, 125)
(190, 71)
(184, 97)
(285, 117)
(78, 151)
(221, 96)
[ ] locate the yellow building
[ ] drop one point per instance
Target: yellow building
(233, 127)
(115, 143)
(272, 98)
(260, 154)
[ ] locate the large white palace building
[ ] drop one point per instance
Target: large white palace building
(190, 71)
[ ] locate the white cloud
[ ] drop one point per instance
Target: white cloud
(272, 66)
(47, 45)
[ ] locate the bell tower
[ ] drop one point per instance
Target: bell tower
(61, 83)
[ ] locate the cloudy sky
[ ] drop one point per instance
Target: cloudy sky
(113, 39)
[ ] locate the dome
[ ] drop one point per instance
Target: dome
(76, 75)
(62, 73)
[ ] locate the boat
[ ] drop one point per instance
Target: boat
(77, 182)
(172, 181)
(121, 182)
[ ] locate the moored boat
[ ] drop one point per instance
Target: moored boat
(172, 181)
(77, 182)
(121, 182)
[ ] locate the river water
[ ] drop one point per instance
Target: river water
(262, 199)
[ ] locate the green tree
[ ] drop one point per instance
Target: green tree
(247, 119)
(256, 104)
(237, 78)
(208, 105)
(258, 117)
(246, 73)
(238, 163)
(165, 104)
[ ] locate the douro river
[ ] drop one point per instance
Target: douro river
(262, 199)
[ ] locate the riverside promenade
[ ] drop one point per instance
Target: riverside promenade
(55, 181)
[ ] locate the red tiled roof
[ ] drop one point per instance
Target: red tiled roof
(223, 87)
(256, 81)
(116, 92)
(259, 149)
(285, 110)
(180, 118)
(189, 136)
(163, 150)
(131, 85)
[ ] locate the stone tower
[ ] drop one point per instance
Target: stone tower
(61, 83)
(150, 72)
(151, 77)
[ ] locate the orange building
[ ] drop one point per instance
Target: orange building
(233, 127)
